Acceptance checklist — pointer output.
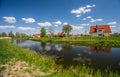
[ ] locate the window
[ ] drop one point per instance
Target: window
(99, 30)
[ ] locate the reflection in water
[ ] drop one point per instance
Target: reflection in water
(17, 41)
(43, 44)
(100, 49)
(67, 47)
(48, 47)
(77, 55)
(58, 47)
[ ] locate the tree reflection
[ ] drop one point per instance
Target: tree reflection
(43, 44)
(67, 47)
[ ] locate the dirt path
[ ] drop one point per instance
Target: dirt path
(20, 69)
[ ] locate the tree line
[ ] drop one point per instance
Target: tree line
(11, 34)
(66, 30)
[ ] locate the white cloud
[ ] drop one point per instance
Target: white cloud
(65, 23)
(113, 26)
(82, 10)
(77, 27)
(84, 24)
(92, 20)
(112, 23)
(88, 17)
(84, 19)
(90, 6)
(26, 28)
(99, 19)
(7, 27)
(95, 20)
(10, 19)
(57, 23)
(45, 24)
(28, 20)
(78, 15)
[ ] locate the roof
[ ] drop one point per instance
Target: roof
(60, 33)
(36, 35)
(106, 28)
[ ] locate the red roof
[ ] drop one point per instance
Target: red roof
(60, 33)
(36, 35)
(105, 28)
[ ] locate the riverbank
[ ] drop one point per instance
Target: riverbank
(15, 61)
(94, 41)
(6, 38)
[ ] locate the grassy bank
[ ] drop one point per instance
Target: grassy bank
(97, 41)
(15, 61)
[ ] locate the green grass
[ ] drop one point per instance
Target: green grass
(8, 51)
(97, 41)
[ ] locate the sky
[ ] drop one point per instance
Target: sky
(29, 16)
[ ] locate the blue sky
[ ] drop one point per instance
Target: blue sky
(29, 16)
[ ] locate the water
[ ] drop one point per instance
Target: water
(66, 54)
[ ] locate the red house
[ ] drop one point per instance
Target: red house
(60, 34)
(36, 35)
(100, 30)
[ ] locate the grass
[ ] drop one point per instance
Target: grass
(11, 55)
(97, 41)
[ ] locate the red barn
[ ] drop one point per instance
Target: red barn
(100, 30)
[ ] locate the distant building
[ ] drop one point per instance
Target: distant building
(75, 35)
(100, 30)
(36, 35)
(60, 34)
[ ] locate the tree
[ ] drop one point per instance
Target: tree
(23, 35)
(18, 34)
(43, 32)
(10, 34)
(4, 34)
(51, 31)
(66, 29)
(0, 34)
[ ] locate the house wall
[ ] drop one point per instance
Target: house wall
(93, 34)
(96, 34)
(106, 34)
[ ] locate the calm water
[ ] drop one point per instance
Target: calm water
(65, 54)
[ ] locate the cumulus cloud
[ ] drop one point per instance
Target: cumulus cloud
(7, 27)
(77, 27)
(26, 28)
(84, 19)
(88, 17)
(9, 19)
(84, 24)
(112, 23)
(45, 24)
(82, 10)
(78, 15)
(28, 20)
(57, 23)
(95, 20)
(90, 6)
(65, 23)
